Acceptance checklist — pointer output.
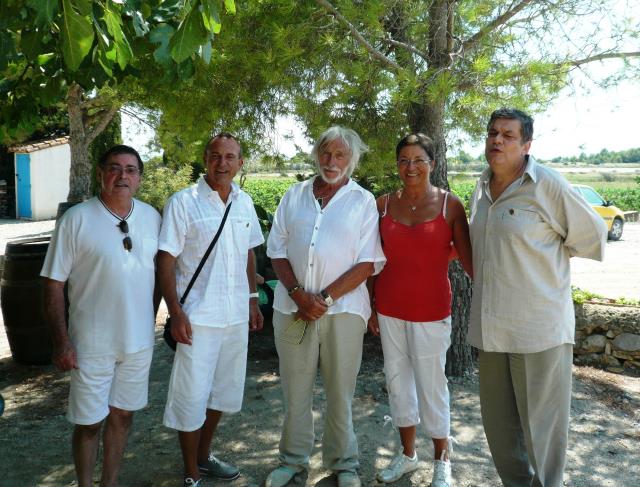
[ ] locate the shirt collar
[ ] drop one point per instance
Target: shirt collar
(206, 190)
(350, 186)
(530, 170)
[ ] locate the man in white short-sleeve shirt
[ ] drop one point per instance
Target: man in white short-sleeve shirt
(324, 243)
(207, 378)
(104, 249)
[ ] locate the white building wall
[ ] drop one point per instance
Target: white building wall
(49, 180)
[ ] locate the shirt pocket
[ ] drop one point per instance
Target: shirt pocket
(523, 225)
(241, 233)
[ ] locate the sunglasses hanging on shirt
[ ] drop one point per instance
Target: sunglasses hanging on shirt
(127, 243)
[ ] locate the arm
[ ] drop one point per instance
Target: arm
(180, 324)
(64, 354)
(460, 228)
(372, 325)
(256, 320)
(310, 306)
(157, 295)
(350, 280)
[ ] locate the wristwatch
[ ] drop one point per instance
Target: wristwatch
(293, 289)
(327, 297)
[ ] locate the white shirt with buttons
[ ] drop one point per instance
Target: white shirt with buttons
(220, 295)
(321, 244)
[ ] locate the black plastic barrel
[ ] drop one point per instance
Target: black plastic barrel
(22, 299)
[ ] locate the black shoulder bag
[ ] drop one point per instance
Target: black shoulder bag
(168, 338)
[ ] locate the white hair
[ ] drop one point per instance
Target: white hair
(349, 137)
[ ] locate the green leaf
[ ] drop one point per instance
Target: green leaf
(190, 35)
(7, 48)
(162, 35)
(124, 52)
(210, 16)
(45, 11)
(30, 43)
(206, 51)
(45, 58)
(77, 36)
(230, 5)
(100, 55)
(140, 26)
(84, 7)
(114, 23)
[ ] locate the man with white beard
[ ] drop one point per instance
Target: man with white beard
(324, 243)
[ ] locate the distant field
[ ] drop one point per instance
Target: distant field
(622, 188)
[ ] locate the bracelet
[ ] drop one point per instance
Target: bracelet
(293, 289)
(254, 295)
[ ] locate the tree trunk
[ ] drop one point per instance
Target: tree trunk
(80, 170)
(428, 117)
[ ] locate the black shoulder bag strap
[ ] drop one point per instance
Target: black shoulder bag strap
(206, 255)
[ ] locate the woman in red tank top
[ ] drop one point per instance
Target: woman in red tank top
(420, 225)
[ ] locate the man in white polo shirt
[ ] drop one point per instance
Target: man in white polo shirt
(104, 249)
(208, 372)
(324, 243)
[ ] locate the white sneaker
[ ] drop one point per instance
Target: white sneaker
(399, 466)
(442, 468)
(441, 474)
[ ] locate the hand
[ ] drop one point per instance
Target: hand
(311, 307)
(373, 325)
(64, 356)
(181, 328)
(256, 320)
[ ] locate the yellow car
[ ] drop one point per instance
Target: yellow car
(612, 215)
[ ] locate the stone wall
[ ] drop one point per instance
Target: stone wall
(607, 335)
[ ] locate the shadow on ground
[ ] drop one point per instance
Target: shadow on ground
(35, 449)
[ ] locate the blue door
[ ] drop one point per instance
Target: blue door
(23, 185)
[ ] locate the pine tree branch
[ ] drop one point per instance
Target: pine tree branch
(499, 21)
(601, 57)
(375, 53)
(406, 46)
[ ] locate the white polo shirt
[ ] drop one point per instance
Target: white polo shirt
(220, 295)
(110, 288)
(323, 244)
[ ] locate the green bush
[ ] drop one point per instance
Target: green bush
(267, 192)
(463, 190)
(623, 198)
(159, 182)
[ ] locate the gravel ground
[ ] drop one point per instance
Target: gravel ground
(35, 437)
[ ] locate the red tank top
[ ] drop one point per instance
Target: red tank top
(414, 284)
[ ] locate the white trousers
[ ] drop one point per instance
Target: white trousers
(414, 359)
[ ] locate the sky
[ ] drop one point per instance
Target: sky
(579, 120)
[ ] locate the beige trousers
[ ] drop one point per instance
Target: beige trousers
(525, 400)
(334, 345)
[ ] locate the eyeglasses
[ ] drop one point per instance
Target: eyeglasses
(126, 241)
(417, 162)
(117, 169)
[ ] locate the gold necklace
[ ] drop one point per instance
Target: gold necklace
(413, 207)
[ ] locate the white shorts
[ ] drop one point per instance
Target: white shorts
(414, 359)
(121, 381)
(209, 374)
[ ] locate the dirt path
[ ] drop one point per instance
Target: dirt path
(35, 450)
